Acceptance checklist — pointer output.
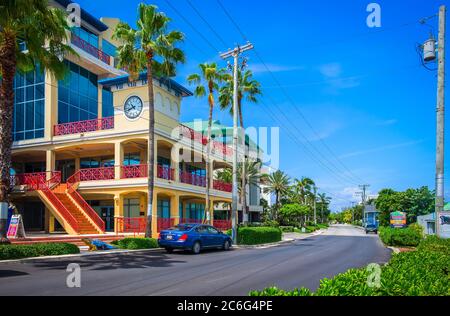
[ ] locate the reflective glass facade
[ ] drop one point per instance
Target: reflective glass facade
(107, 103)
(29, 105)
(85, 35)
(77, 95)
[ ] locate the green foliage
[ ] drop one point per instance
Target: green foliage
(287, 229)
(414, 202)
(417, 273)
(36, 250)
(410, 236)
(258, 235)
(271, 223)
(137, 243)
(292, 214)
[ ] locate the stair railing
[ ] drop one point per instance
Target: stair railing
(72, 191)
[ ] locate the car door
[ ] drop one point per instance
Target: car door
(215, 237)
(203, 233)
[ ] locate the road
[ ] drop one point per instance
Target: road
(300, 263)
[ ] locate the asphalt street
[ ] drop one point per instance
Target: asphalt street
(236, 272)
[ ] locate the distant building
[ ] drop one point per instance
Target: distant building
(428, 222)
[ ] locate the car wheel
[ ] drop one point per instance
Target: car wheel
(196, 248)
(226, 245)
(169, 250)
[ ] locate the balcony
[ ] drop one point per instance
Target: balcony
(141, 171)
(216, 147)
(96, 174)
(90, 49)
(70, 128)
(193, 179)
(222, 186)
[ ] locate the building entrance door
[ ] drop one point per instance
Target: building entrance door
(67, 168)
(107, 215)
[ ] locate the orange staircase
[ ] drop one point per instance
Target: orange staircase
(84, 225)
(66, 204)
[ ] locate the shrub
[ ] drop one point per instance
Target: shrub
(271, 223)
(410, 236)
(36, 250)
(287, 229)
(310, 229)
(423, 272)
(137, 243)
(258, 235)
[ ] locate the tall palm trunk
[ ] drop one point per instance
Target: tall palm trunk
(208, 150)
(8, 69)
(243, 180)
(151, 146)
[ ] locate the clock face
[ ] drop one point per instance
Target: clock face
(133, 107)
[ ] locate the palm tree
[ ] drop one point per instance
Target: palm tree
(42, 30)
(324, 200)
(277, 183)
(139, 50)
(304, 187)
(207, 80)
(249, 89)
(251, 170)
(224, 175)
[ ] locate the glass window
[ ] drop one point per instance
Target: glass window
(86, 35)
(132, 159)
(109, 48)
(29, 105)
(77, 95)
(107, 103)
(163, 208)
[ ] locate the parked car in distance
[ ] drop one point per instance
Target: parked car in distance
(193, 237)
(371, 228)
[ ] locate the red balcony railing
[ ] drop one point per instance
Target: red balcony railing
(134, 225)
(222, 186)
(34, 180)
(216, 147)
(165, 223)
(84, 126)
(90, 49)
(133, 171)
(92, 174)
(222, 224)
(165, 172)
(189, 178)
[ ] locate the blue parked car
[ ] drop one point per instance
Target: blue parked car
(194, 237)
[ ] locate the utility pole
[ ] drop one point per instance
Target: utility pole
(364, 187)
(235, 54)
(315, 217)
(439, 205)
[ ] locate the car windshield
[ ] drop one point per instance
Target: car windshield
(182, 227)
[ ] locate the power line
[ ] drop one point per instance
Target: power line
(352, 175)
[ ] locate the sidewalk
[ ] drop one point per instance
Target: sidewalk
(287, 238)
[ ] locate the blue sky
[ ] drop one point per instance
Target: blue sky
(364, 91)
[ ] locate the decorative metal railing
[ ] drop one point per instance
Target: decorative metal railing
(189, 178)
(165, 223)
(134, 225)
(36, 179)
(222, 224)
(216, 147)
(222, 186)
(86, 126)
(90, 49)
(88, 175)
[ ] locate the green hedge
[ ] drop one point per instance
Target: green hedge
(258, 235)
(409, 236)
(423, 272)
(36, 250)
(287, 229)
(136, 243)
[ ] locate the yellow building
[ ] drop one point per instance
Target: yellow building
(80, 146)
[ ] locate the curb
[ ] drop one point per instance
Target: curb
(82, 254)
(280, 243)
(394, 249)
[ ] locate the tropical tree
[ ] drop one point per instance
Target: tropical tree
(324, 201)
(225, 175)
(248, 89)
(278, 184)
(304, 187)
(42, 30)
(207, 81)
(140, 50)
(251, 171)
(294, 213)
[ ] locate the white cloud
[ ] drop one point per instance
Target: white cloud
(261, 68)
(382, 148)
(332, 70)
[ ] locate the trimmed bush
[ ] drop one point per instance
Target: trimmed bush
(136, 243)
(271, 223)
(258, 235)
(409, 236)
(416, 273)
(287, 229)
(8, 252)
